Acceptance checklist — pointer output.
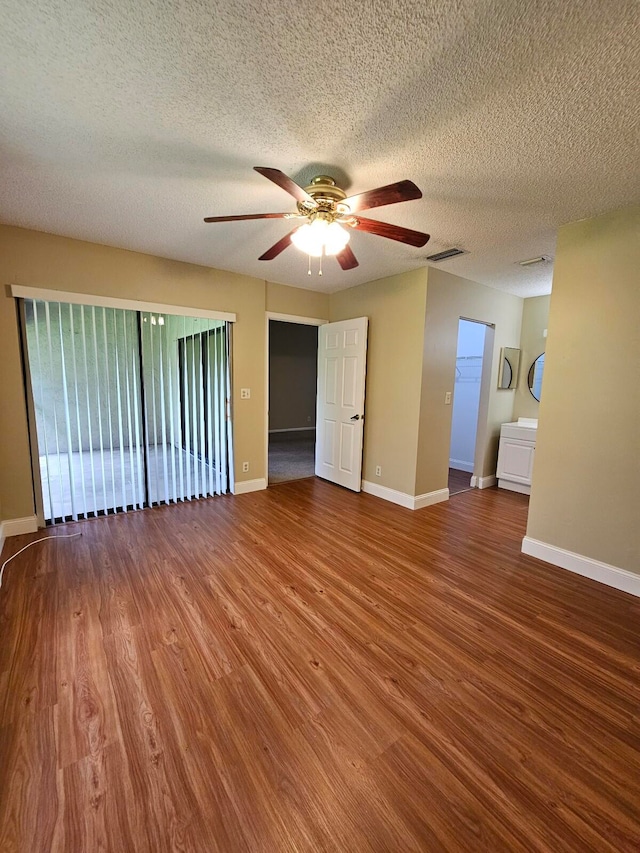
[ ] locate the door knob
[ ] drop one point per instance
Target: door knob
(355, 417)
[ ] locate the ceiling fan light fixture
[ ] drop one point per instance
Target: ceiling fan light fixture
(320, 236)
(308, 239)
(336, 238)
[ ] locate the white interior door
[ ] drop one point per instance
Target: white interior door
(342, 361)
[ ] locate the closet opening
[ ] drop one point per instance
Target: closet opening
(466, 404)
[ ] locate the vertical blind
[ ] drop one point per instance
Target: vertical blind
(131, 407)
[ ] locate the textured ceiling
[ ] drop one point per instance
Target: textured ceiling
(126, 123)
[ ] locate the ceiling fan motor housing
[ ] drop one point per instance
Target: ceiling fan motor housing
(326, 194)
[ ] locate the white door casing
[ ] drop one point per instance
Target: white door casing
(342, 354)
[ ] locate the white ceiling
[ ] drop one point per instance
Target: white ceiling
(126, 123)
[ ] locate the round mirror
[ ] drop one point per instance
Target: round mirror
(535, 376)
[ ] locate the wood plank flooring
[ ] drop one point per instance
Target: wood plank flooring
(459, 481)
(306, 669)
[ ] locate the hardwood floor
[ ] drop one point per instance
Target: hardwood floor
(459, 481)
(306, 669)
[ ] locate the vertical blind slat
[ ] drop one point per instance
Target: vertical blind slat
(170, 374)
(127, 387)
(209, 419)
(194, 417)
(220, 409)
(134, 359)
(163, 415)
(121, 444)
(201, 424)
(109, 415)
(225, 419)
(186, 408)
(74, 362)
(67, 422)
(40, 408)
(94, 507)
(94, 323)
(47, 314)
(177, 417)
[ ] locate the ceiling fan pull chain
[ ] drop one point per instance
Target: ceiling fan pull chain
(320, 264)
(309, 271)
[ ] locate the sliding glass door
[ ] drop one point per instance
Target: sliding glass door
(185, 367)
(131, 408)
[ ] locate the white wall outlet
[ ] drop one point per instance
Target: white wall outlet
(378, 470)
(245, 467)
(245, 393)
(447, 398)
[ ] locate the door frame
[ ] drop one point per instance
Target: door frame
(300, 320)
(476, 478)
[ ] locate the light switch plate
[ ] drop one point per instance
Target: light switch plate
(447, 398)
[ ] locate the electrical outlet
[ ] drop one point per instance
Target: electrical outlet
(245, 393)
(378, 471)
(447, 398)
(245, 467)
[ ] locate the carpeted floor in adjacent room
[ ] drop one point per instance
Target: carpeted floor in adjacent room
(291, 460)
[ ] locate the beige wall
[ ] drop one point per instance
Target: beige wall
(535, 319)
(395, 307)
(43, 260)
(586, 479)
(294, 300)
(449, 298)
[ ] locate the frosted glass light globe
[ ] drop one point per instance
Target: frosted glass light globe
(320, 237)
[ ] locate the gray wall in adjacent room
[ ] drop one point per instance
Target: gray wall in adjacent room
(293, 358)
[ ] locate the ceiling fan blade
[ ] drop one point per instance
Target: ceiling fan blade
(246, 216)
(278, 247)
(393, 232)
(347, 259)
(285, 182)
(391, 194)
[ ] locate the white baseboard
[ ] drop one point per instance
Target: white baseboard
(483, 482)
(581, 565)
(249, 486)
(17, 526)
(461, 465)
(402, 498)
(429, 498)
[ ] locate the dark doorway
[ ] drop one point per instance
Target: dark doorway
(293, 375)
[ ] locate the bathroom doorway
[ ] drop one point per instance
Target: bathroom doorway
(466, 404)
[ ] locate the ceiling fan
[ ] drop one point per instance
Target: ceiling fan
(325, 214)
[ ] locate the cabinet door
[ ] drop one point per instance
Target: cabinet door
(515, 460)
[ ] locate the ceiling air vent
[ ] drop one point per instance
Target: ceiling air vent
(443, 256)
(540, 259)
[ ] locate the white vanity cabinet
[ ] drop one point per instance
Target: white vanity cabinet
(516, 454)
